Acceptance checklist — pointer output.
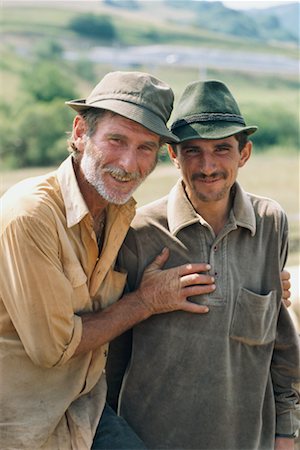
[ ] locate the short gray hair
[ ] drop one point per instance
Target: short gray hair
(92, 117)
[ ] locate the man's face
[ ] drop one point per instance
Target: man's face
(209, 167)
(118, 157)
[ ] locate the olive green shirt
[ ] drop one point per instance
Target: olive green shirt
(223, 380)
(50, 273)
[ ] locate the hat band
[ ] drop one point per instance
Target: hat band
(208, 117)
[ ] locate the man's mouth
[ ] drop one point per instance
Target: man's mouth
(122, 176)
(209, 179)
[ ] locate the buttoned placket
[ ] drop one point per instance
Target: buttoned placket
(217, 252)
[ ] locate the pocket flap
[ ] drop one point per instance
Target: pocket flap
(255, 318)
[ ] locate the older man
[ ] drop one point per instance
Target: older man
(226, 380)
(60, 235)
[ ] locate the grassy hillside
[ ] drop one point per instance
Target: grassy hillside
(30, 21)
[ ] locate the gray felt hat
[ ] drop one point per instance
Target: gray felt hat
(135, 95)
(208, 110)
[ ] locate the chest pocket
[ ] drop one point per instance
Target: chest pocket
(110, 289)
(78, 279)
(254, 318)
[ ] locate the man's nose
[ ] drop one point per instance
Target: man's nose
(208, 165)
(128, 159)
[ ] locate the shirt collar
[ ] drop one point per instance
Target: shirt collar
(243, 209)
(181, 212)
(76, 208)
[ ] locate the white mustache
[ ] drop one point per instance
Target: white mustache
(122, 174)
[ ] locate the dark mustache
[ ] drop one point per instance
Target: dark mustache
(212, 176)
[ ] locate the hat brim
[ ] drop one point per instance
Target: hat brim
(131, 111)
(211, 130)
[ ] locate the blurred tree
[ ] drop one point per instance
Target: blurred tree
(45, 81)
(38, 136)
(276, 128)
(35, 133)
(94, 26)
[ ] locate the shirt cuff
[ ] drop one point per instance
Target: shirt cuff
(74, 342)
(288, 424)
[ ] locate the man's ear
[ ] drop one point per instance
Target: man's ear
(79, 132)
(173, 156)
(245, 153)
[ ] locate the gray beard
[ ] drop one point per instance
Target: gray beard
(89, 170)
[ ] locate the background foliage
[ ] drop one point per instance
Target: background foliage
(39, 71)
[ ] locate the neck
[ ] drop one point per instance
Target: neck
(215, 213)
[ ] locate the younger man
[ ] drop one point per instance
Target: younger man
(228, 379)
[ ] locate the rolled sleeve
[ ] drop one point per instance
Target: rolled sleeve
(73, 344)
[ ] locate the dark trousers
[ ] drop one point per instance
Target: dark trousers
(114, 433)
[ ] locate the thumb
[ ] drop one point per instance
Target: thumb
(159, 261)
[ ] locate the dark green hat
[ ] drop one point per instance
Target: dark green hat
(207, 110)
(135, 95)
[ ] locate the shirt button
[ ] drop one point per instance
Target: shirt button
(215, 248)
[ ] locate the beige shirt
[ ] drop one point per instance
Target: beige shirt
(50, 273)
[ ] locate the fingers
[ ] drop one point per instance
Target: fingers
(286, 285)
(194, 308)
(167, 290)
(286, 293)
(195, 278)
(285, 275)
(287, 302)
(186, 269)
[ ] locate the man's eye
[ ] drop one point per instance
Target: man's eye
(222, 150)
(191, 150)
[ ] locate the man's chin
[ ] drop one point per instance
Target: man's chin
(116, 198)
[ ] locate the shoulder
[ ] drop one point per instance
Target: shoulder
(30, 200)
(265, 206)
(146, 232)
(151, 214)
(270, 217)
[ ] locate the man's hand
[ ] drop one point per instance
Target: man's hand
(167, 290)
(282, 443)
(286, 286)
(160, 291)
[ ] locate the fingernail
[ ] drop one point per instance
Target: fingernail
(208, 267)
